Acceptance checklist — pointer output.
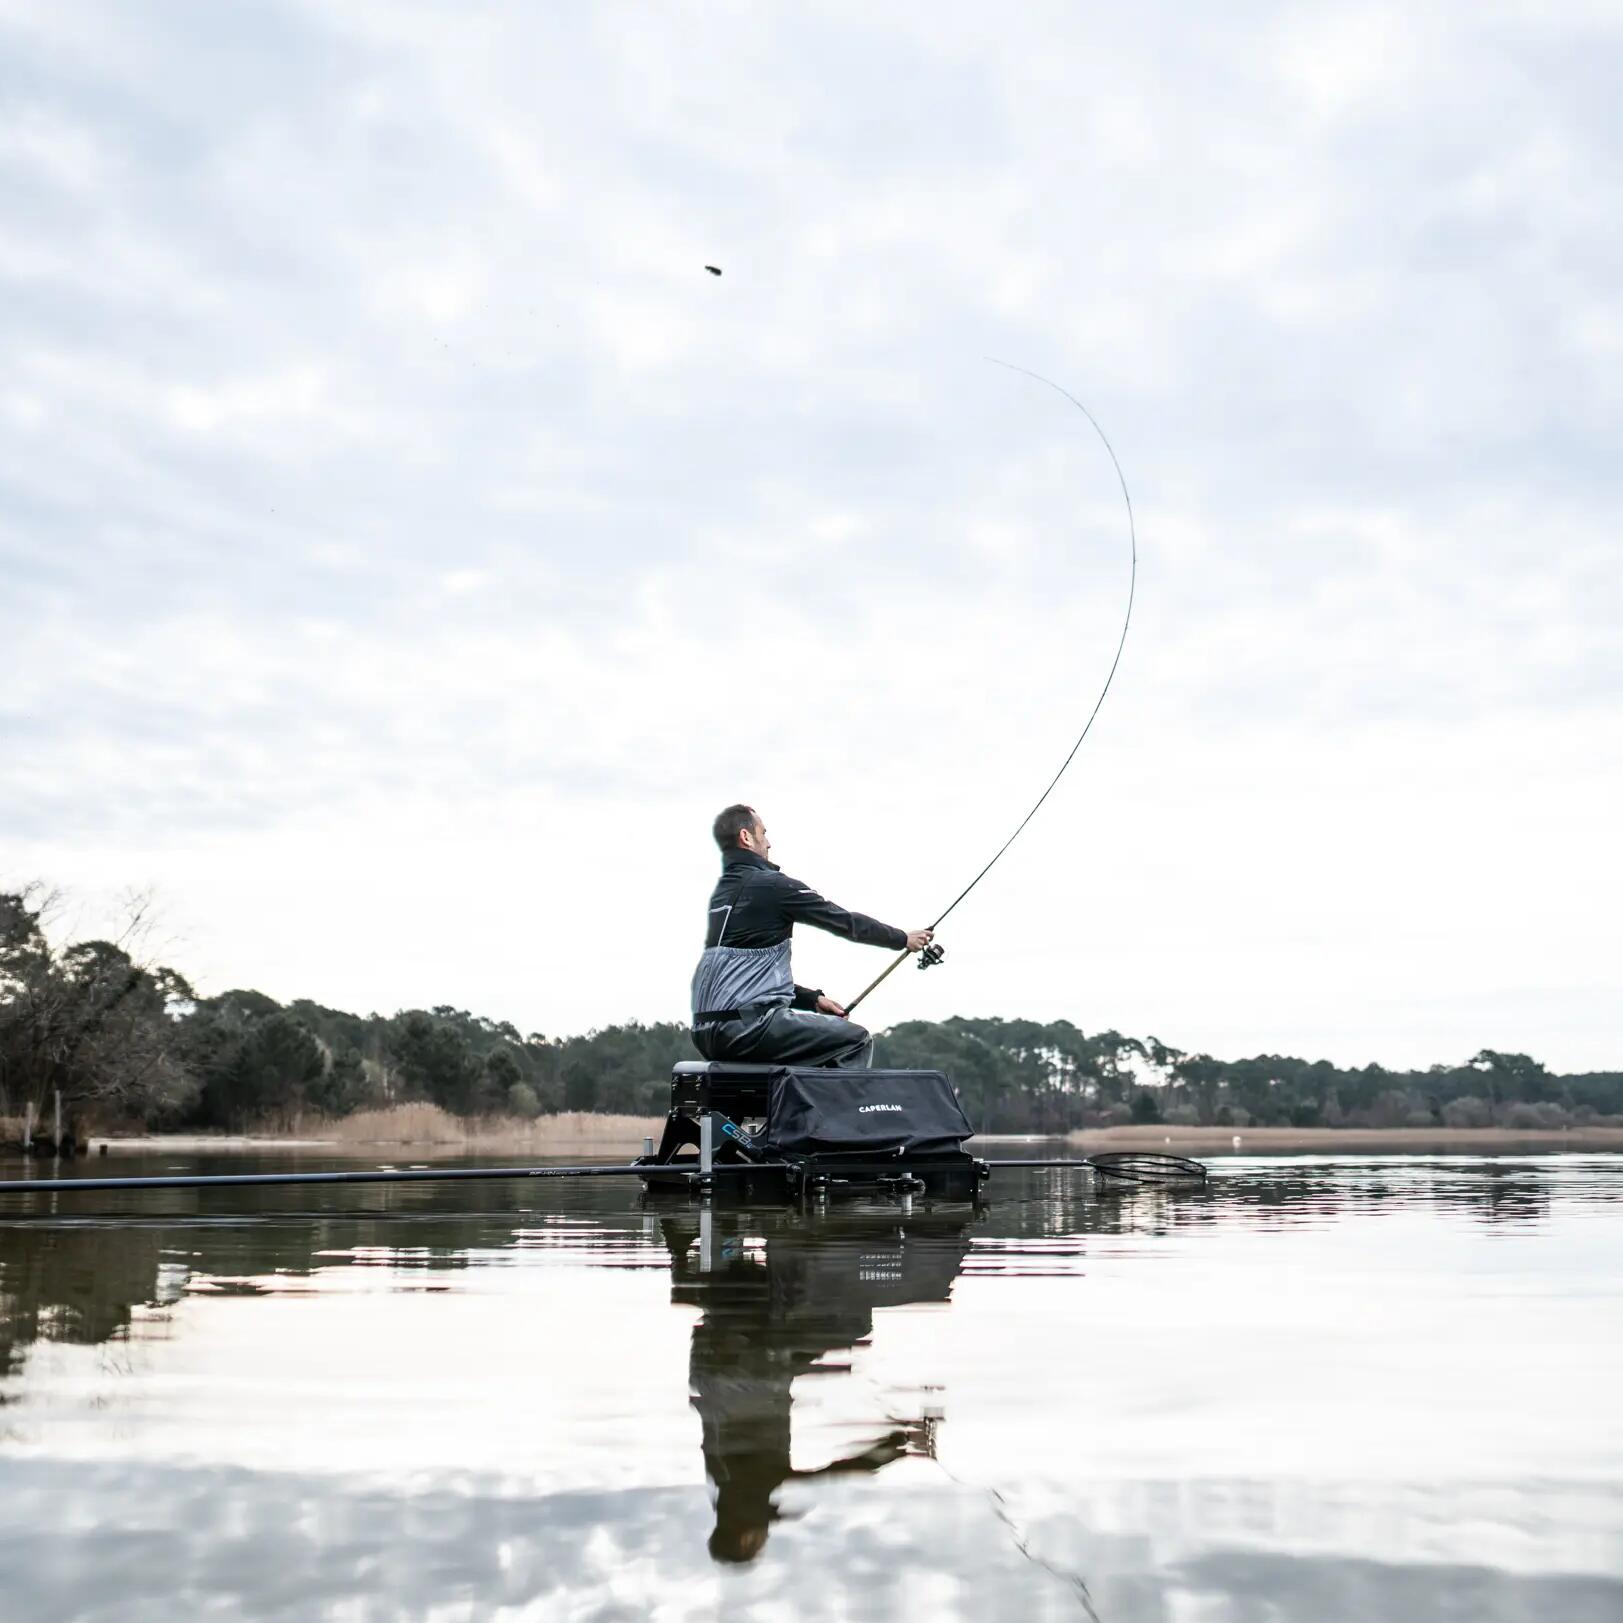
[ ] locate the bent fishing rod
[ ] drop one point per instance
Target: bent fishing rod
(933, 953)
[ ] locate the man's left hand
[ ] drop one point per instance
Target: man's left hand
(827, 1005)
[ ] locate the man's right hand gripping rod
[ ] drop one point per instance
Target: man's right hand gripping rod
(929, 955)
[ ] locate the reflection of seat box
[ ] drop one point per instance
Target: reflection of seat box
(890, 1269)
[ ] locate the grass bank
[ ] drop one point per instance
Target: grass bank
(1465, 1139)
(547, 1135)
(420, 1127)
(425, 1127)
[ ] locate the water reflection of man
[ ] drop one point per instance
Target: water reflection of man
(775, 1314)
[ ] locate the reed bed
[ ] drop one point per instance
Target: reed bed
(427, 1124)
(1471, 1140)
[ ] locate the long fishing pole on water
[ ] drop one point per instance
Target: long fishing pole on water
(1121, 1166)
(933, 953)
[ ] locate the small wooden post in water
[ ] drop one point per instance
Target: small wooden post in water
(56, 1143)
(28, 1126)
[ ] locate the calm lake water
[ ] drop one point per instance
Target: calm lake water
(1322, 1389)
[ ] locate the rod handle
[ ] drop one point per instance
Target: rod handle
(901, 958)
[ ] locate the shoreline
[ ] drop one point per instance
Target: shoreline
(419, 1149)
(418, 1129)
(627, 1133)
(1318, 1138)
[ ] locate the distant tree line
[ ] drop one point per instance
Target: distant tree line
(1022, 1076)
(124, 1042)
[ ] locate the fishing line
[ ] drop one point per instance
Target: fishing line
(933, 954)
(1000, 1507)
(1068, 1576)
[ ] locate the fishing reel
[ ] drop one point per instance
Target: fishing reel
(931, 955)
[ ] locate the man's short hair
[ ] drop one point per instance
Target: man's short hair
(730, 824)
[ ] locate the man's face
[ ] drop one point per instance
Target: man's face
(757, 840)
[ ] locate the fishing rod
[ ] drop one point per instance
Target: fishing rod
(1130, 1166)
(216, 1180)
(933, 953)
(1124, 1166)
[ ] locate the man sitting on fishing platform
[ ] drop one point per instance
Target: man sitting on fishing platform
(746, 1006)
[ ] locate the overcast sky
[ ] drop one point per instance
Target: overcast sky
(408, 546)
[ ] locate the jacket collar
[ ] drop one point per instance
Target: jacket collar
(738, 857)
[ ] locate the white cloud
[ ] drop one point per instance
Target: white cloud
(408, 544)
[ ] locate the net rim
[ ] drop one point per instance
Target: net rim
(1147, 1166)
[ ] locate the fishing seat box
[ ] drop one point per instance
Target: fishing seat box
(846, 1126)
(832, 1112)
(810, 1111)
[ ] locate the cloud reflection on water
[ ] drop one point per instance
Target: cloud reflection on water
(138, 1540)
(1327, 1389)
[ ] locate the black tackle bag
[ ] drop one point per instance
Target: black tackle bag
(830, 1112)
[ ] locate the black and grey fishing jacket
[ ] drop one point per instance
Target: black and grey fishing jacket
(754, 908)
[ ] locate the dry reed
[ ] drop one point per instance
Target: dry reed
(1159, 1136)
(427, 1124)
